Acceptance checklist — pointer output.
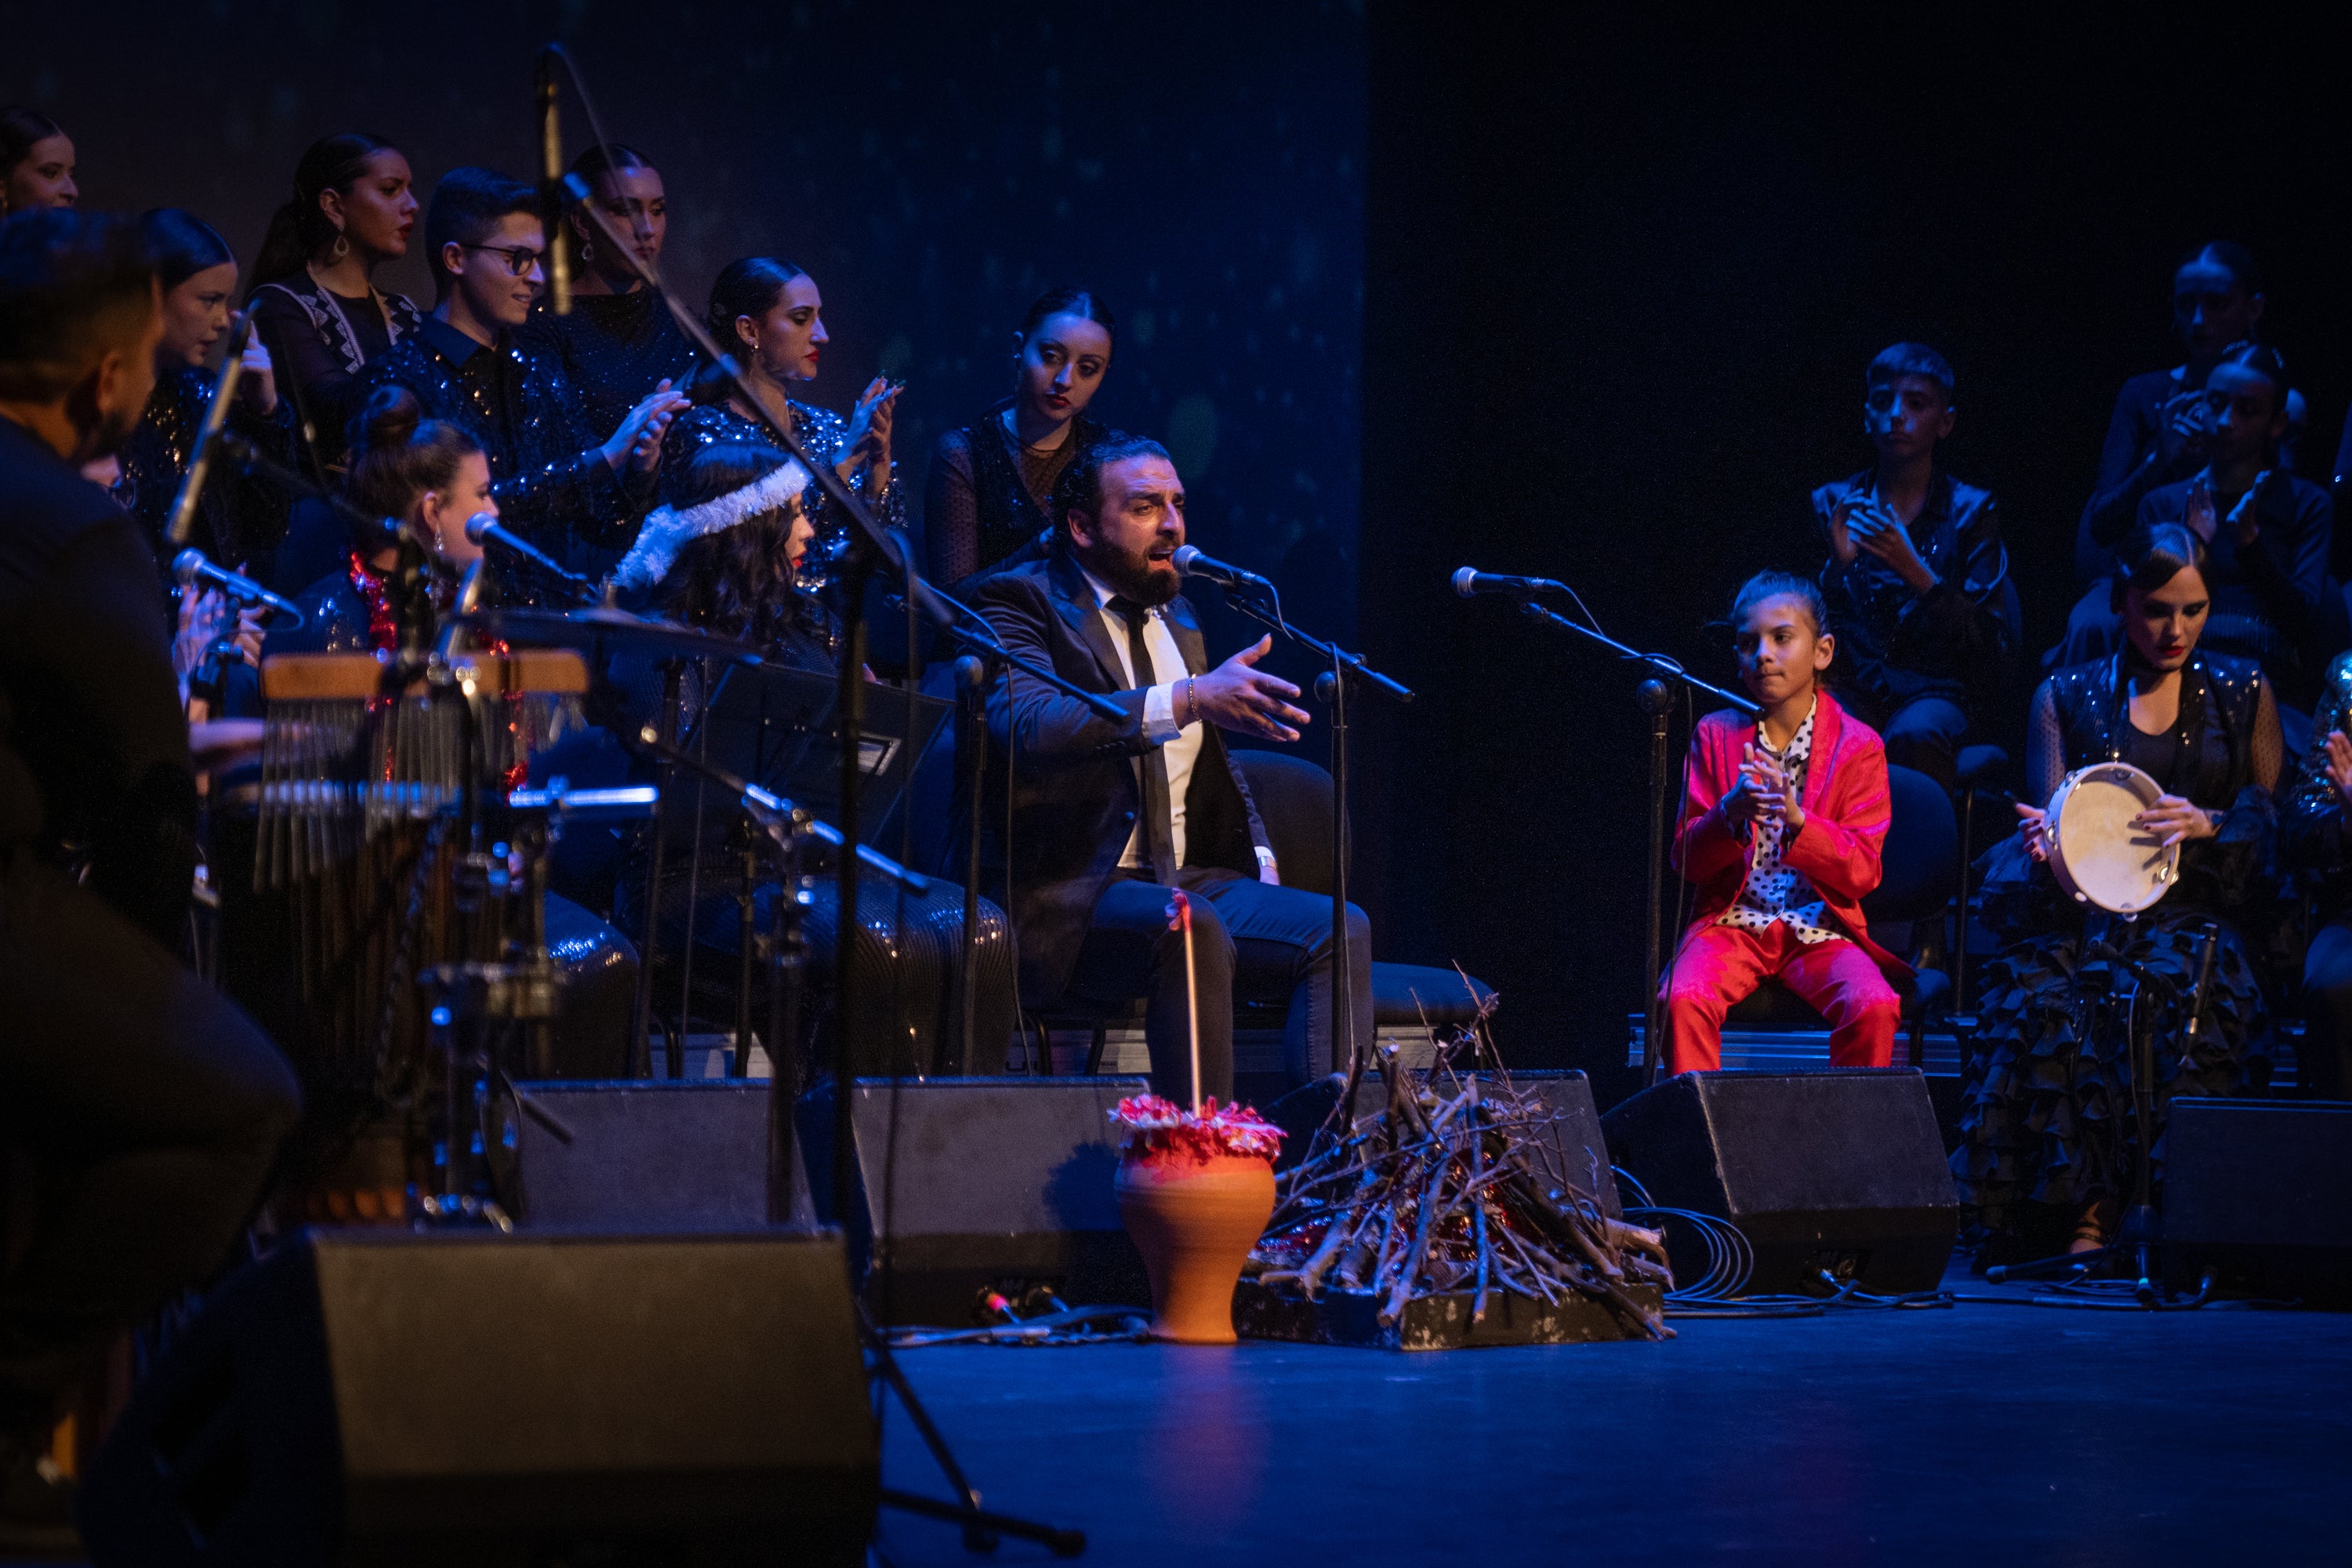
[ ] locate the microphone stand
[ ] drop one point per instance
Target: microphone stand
(869, 546)
(972, 678)
(1657, 699)
(182, 521)
(943, 611)
(1331, 686)
(251, 459)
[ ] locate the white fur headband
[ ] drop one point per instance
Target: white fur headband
(669, 530)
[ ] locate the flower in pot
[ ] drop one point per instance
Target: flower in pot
(1195, 1189)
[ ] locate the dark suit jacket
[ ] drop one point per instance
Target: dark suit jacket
(1075, 790)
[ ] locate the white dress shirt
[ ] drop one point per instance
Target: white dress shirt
(1181, 745)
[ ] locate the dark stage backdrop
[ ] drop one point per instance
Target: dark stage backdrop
(934, 166)
(1616, 292)
(1621, 287)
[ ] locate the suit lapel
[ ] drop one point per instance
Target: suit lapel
(1829, 729)
(1073, 601)
(1186, 626)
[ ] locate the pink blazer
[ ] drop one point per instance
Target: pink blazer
(1847, 811)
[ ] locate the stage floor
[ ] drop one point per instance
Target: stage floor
(1897, 1438)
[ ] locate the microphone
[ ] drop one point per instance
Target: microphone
(483, 528)
(190, 567)
(192, 487)
(1470, 583)
(551, 190)
(1190, 562)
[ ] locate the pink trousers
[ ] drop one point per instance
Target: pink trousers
(1720, 965)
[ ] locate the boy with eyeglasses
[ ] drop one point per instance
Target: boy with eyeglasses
(553, 481)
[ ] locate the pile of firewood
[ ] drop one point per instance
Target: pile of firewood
(1454, 1187)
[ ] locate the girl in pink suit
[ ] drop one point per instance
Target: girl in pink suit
(1780, 832)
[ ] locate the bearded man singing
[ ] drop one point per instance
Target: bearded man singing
(1108, 818)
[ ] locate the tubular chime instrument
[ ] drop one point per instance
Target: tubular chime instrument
(373, 851)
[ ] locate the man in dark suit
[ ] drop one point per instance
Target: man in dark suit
(1107, 817)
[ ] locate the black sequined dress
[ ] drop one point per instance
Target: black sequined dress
(822, 434)
(240, 519)
(614, 349)
(552, 483)
(2048, 1116)
(2314, 840)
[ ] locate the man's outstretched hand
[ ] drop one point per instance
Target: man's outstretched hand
(1233, 696)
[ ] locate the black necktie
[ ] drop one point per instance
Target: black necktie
(1158, 818)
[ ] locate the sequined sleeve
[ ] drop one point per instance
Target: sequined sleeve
(2045, 747)
(2312, 826)
(825, 436)
(560, 487)
(579, 491)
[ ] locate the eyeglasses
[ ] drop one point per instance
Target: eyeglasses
(521, 258)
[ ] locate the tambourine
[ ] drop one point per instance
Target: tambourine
(2098, 856)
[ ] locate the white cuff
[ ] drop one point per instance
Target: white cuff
(1159, 725)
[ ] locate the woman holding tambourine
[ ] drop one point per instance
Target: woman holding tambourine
(2159, 765)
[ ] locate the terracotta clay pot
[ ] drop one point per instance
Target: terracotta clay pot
(1194, 1221)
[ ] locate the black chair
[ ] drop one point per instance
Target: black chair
(1920, 865)
(1983, 775)
(1294, 803)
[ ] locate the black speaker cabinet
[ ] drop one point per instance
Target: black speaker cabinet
(637, 1154)
(1572, 1138)
(1840, 1171)
(471, 1398)
(994, 1184)
(2260, 1191)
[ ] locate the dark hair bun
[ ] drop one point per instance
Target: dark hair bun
(389, 419)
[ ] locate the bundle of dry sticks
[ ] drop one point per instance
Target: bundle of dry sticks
(1456, 1186)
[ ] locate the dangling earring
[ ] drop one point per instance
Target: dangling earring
(587, 250)
(340, 248)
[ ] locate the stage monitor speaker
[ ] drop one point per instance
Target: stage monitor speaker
(471, 1398)
(1572, 1136)
(2260, 1191)
(638, 1154)
(1839, 1171)
(999, 1185)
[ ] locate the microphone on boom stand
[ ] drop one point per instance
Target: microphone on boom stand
(192, 487)
(1469, 581)
(551, 190)
(1190, 562)
(190, 567)
(483, 528)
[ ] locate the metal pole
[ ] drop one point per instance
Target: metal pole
(746, 938)
(850, 705)
(1344, 1044)
(1657, 700)
(784, 960)
(640, 1061)
(972, 681)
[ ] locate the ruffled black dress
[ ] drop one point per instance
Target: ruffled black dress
(2048, 1116)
